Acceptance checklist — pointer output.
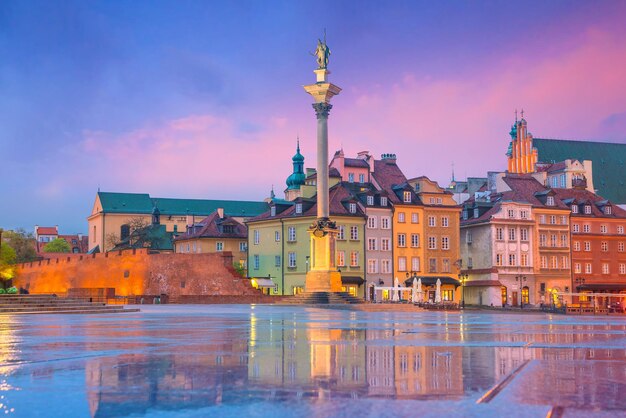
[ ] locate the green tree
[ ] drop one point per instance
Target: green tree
(58, 245)
(23, 243)
(7, 263)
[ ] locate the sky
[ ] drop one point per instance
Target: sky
(204, 99)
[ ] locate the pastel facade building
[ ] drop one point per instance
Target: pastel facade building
(45, 234)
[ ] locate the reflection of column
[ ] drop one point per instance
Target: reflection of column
(321, 110)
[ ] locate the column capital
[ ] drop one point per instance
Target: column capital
(322, 109)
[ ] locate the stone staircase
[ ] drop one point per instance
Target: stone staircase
(44, 304)
(322, 298)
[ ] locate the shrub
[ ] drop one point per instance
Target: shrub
(12, 290)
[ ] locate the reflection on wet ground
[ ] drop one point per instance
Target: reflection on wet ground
(245, 360)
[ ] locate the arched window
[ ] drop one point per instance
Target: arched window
(124, 232)
(504, 295)
(525, 295)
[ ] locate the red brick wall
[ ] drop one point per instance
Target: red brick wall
(137, 273)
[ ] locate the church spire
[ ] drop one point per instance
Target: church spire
(296, 179)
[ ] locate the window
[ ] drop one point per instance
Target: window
(432, 221)
(512, 234)
(586, 228)
(468, 237)
(385, 266)
(574, 208)
(401, 240)
(499, 234)
(354, 233)
(605, 268)
(292, 259)
(341, 258)
(544, 262)
(577, 268)
(370, 200)
(372, 266)
(383, 201)
(553, 240)
(298, 208)
(552, 220)
(219, 246)
(607, 210)
(620, 229)
(524, 259)
(257, 237)
(415, 240)
(550, 201)
(554, 262)
(603, 229)
(291, 234)
(445, 243)
(575, 228)
(361, 178)
(554, 181)
(384, 222)
(564, 240)
(620, 246)
(277, 236)
(432, 243)
(445, 221)
(588, 268)
(371, 222)
(352, 207)
(465, 214)
(523, 234)
(124, 232)
(407, 197)
(564, 262)
(587, 246)
(273, 211)
(476, 213)
(542, 219)
(563, 220)
(401, 263)
(523, 214)
(604, 246)
(445, 265)
(439, 201)
(256, 262)
(341, 234)
(385, 244)
(351, 177)
(401, 217)
(432, 265)
(576, 245)
(512, 260)
(414, 218)
(587, 209)
(277, 261)
(511, 213)
(622, 268)
(415, 263)
(372, 244)
(499, 259)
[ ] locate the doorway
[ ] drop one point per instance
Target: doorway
(514, 295)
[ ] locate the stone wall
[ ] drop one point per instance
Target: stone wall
(136, 272)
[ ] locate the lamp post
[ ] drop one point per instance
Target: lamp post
(521, 280)
(463, 279)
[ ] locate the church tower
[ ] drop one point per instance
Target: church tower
(522, 156)
(295, 179)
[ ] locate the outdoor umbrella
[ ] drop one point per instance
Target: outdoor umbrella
(438, 292)
(419, 290)
(396, 291)
(414, 290)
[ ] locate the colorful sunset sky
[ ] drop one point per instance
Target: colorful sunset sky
(199, 99)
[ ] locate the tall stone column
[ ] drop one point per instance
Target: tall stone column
(322, 110)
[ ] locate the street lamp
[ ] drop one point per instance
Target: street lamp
(306, 267)
(521, 280)
(463, 279)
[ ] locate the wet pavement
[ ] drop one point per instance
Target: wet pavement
(241, 360)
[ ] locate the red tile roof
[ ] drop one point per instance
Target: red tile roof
(583, 196)
(387, 174)
(355, 162)
(525, 188)
(46, 230)
(209, 227)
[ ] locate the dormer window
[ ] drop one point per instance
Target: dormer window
(298, 208)
(370, 200)
(352, 207)
(587, 209)
(273, 211)
(383, 201)
(574, 208)
(407, 197)
(550, 201)
(607, 210)
(476, 213)
(465, 215)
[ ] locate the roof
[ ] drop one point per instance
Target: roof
(47, 230)
(355, 162)
(144, 204)
(525, 188)
(387, 174)
(213, 227)
(583, 196)
(609, 160)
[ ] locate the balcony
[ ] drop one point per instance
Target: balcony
(579, 183)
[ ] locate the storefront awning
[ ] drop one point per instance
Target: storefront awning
(262, 282)
(432, 280)
(352, 280)
(598, 287)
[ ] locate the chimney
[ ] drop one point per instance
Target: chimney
(56, 228)
(363, 155)
(220, 213)
(388, 158)
(189, 221)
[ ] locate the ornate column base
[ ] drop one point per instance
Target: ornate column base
(323, 281)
